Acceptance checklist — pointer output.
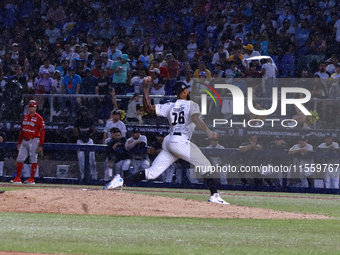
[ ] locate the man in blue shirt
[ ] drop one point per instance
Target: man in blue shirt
(71, 85)
(71, 82)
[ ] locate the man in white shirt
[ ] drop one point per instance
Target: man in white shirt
(322, 71)
(269, 72)
(106, 62)
(248, 53)
(114, 122)
(216, 56)
(47, 66)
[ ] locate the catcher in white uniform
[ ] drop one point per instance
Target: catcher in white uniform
(183, 116)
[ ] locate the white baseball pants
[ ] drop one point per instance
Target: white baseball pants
(173, 148)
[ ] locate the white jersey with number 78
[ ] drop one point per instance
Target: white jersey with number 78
(179, 115)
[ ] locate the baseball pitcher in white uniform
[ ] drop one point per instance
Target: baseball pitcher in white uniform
(184, 116)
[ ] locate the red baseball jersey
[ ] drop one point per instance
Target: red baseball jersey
(32, 126)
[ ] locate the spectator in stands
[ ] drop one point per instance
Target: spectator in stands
(67, 53)
(107, 32)
(134, 111)
(146, 56)
(21, 78)
(63, 68)
(217, 55)
(45, 84)
(52, 32)
(106, 62)
(84, 129)
(252, 71)
(173, 66)
(71, 85)
(56, 13)
(137, 81)
(287, 15)
(114, 53)
(322, 71)
(140, 67)
(137, 147)
(157, 84)
(15, 52)
(32, 80)
(332, 63)
(318, 44)
(164, 73)
(202, 68)
(85, 49)
(188, 78)
(47, 66)
(237, 57)
(8, 64)
(96, 71)
(331, 179)
(305, 14)
(192, 47)
(301, 158)
(114, 121)
(249, 52)
(159, 47)
(302, 34)
(119, 158)
(269, 72)
(88, 87)
(121, 71)
(89, 83)
(104, 83)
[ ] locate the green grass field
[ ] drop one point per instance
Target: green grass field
(79, 234)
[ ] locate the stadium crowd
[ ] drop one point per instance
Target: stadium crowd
(114, 45)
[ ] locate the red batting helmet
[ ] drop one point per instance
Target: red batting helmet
(32, 103)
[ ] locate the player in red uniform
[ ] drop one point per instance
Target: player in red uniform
(31, 141)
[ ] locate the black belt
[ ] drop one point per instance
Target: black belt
(176, 133)
(27, 139)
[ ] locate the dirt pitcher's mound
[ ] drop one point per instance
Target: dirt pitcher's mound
(104, 202)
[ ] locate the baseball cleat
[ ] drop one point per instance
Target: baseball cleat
(215, 198)
(16, 180)
(115, 183)
(29, 181)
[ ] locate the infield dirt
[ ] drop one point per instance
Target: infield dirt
(115, 202)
